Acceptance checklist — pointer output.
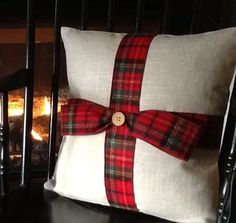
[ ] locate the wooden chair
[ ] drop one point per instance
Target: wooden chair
(27, 201)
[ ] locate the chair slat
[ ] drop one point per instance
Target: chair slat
(28, 106)
(54, 89)
(225, 15)
(227, 163)
(110, 17)
(139, 16)
(197, 5)
(166, 19)
(4, 137)
(84, 15)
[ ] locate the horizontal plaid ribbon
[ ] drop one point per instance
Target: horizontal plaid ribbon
(174, 133)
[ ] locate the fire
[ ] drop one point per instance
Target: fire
(15, 112)
(41, 109)
(36, 135)
(15, 108)
(41, 112)
(46, 106)
(42, 106)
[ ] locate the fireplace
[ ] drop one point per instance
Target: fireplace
(39, 132)
(12, 57)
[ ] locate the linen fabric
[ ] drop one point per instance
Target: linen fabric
(182, 74)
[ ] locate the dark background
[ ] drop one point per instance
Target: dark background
(13, 18)
(71, 12)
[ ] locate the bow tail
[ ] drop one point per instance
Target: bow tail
(166, 131)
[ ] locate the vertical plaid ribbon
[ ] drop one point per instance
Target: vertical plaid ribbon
(119, 144)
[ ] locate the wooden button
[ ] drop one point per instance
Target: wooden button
(118, 119)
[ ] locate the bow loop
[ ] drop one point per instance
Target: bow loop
(83, 117)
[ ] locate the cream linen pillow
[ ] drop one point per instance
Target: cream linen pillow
(190, 73)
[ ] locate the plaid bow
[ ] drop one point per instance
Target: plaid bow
(174, 133)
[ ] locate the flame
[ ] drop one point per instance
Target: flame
(15, 109)
(15, 112)
(46, 106)
(36, 135)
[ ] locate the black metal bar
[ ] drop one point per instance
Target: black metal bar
(84, 14)
(225, 13)
(4, 140)
(54, 89)
(139, 16)
(28, 102)
(194, 26)
(110, 17)
(166, 20)
(30, 41)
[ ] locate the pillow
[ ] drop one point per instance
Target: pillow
(183, 74)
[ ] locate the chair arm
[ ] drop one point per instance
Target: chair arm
(14, 81)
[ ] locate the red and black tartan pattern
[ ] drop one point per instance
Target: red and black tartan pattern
(174, 133)
(119, 143)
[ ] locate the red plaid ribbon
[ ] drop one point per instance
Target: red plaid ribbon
(175, 134)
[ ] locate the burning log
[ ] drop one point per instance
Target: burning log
(16, 133)
(39, 145)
